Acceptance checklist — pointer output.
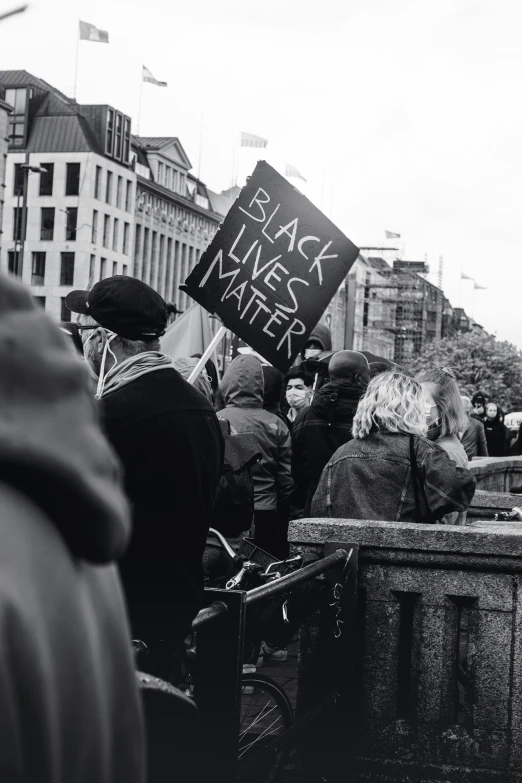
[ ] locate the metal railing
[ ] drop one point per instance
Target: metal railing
(221, 635)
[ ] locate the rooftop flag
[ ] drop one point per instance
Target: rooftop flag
(249, 140)
(464, 276)
(291, 171)
(392, 235)
(148, 77)
(88, 32)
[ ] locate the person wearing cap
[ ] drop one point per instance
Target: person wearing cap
(320, 429)
(169, 441)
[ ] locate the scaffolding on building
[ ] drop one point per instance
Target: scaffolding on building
(403, 303)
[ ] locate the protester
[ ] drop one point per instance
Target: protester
(322, 428)
(242, 391)
(444, 412)
(299, 383)
(390, 471)
(446, 420)
(168, 438)
(479, 401)
(497, 434)
(320, 340)
(474, 437)
(70, 708)
(272, 391)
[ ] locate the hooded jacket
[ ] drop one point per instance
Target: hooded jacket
(322, 335)
(497, 435)
(318, 432)
(242, 391)
(70, 708)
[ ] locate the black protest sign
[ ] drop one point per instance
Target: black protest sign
(272, 267)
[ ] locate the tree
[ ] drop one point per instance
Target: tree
(480, 362)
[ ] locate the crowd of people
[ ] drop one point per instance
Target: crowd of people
(111, 457)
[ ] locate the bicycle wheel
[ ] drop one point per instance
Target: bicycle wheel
(266, 713)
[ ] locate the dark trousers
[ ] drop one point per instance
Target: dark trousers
(271, 532)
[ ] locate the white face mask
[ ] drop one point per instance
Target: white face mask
(297, 398)
(311, 352)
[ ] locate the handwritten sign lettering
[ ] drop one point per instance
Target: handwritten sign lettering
(272, 268)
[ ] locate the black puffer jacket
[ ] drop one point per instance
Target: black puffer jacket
(317, 434)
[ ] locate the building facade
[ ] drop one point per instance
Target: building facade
(174, 217)
(5, 111)
(70, 192)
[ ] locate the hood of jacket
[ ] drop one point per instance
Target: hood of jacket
(52, 449)
(321, 334)
(337, 401)
(243, 385)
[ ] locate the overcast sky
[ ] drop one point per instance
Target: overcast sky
(402, 115)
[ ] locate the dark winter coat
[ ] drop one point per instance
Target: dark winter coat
(272, 391)
(497, 437)
(372, 479)
(169, 441)
(242, 391)
(474, 439)
(70, 708)
(318, 432)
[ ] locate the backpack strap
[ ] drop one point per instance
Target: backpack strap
(418, 485)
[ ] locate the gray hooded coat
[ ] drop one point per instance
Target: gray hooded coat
(242, 390)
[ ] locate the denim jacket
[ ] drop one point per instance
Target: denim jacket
(372, 479)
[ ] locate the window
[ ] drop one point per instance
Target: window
(124, 269)
(128, 195)
(13, 263)
(115, 234)
(72, 181)
(126, 140)
(108, 188)
(106, 230)
(97, 182)
(46, 180)
(19, 100)
(66, 313)
(114, 268)
(19, 174)
(38, 269)
(17, 224)
(67, 269)
(94, 234)
(110, 131)
(92, 266)
(47, 224)
(160, 173)
(126, 228)
(103, 264)
(72, 221)
(40, 301)
(118, 192)
(119, 131)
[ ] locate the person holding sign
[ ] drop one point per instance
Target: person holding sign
(242, 391)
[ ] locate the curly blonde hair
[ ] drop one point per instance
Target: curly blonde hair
(394, 403)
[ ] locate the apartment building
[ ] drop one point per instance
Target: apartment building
(70, 192)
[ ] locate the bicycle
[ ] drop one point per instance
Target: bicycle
(266, 711)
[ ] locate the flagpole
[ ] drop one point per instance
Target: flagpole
(139, 104)
(200, 146)
(77, 58)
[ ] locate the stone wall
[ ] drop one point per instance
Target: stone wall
(437, 691)
(497, 474)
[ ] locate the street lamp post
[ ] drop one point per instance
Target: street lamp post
(26, 168)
